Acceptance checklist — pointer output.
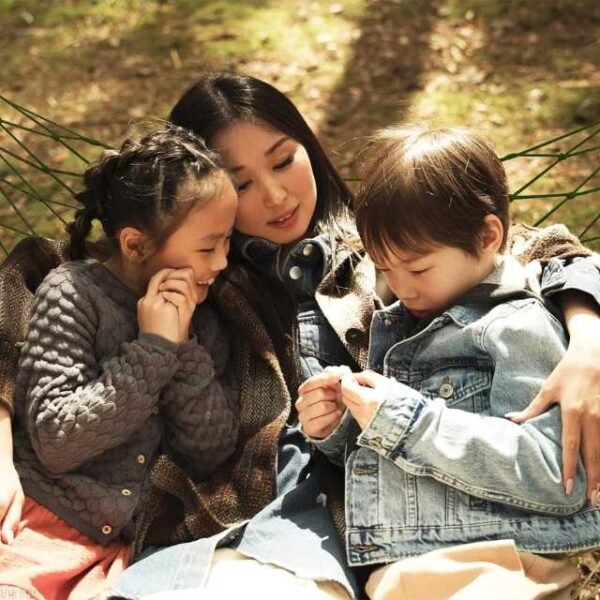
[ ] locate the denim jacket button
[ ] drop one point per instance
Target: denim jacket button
(295, 272)
(308, 249)
(446, 390)
(354, 336)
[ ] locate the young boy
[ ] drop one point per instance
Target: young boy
(436, 462)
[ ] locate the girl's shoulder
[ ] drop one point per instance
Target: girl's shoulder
(77, 279)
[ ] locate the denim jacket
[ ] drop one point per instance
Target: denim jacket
(439, 464)
(335, 292)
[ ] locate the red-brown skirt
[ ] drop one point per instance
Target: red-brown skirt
(50, 560)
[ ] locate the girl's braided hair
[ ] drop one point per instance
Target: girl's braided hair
(140, 186)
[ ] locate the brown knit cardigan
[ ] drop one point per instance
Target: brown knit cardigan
(177, 509)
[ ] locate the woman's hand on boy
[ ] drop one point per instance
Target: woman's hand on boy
(319, 403)
(11, 502)
(575, 385)
(363, 393)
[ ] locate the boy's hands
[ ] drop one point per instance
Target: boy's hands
(363, 393)
(324, 397)
(11, 502)
(168, 305)
(319, 403)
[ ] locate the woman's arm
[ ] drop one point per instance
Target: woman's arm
(575, 384)
(11, 492)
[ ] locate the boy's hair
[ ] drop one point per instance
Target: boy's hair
(427, 186)
(142, 186)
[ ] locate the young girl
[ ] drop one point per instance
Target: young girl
(120, 357)
(436, 463)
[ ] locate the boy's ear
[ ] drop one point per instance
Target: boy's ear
(135, 244)
(492, 233)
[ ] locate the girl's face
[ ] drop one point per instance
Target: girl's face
(274, 179)
(201, 242)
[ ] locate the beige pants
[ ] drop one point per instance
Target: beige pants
(490, 570)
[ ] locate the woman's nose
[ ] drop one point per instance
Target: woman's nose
(274, 193)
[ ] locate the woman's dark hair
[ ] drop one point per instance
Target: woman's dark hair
(219, 100)
(141, 186)
(427, 186)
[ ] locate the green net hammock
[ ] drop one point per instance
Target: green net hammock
(41, 164)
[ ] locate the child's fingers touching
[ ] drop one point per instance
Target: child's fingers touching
(315, 396)
(180, 286)
(323, 379)
(322, 426)
(156, 280)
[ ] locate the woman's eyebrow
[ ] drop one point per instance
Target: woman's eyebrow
(276, 145)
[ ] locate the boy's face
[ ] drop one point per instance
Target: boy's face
(431, 281)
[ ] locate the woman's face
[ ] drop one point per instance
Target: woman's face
(274, 178)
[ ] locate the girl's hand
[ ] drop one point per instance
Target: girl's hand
(179, 288)
(11, 502)
(155, 313)
(319, 403)
(575, 385)
(363, 393)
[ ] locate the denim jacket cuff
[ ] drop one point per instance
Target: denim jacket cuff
(392, 421)
(579, 274)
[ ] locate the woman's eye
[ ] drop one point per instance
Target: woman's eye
(206, 250)
(240, 187)
(417, 273)
(284, 163)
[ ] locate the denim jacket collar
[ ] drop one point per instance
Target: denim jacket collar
(301, 271)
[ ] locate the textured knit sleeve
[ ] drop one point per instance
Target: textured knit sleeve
(201, 405)
(73, 407)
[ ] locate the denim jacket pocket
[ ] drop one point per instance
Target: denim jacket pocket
(461, 383)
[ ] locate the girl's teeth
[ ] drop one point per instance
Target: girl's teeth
(207, 282)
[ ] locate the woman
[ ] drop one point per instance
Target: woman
(295, 255)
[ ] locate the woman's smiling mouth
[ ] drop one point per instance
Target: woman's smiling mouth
(286, 220)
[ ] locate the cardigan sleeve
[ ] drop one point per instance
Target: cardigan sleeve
(201, 403)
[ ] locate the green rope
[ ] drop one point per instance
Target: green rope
(27, 136)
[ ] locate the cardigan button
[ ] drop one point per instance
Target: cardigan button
(355, 336)
(141, 459)
(106, 529)
(126, 492)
